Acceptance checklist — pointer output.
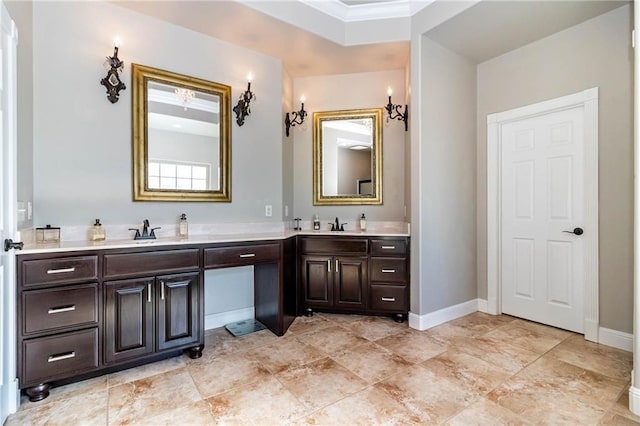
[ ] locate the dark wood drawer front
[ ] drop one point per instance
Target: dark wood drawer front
(61, 307)
(153, 262)
(334, 246)
(62, 355)
(61, 270)
(389, 298)
(388, 247)
(241, 255)
(389, 269)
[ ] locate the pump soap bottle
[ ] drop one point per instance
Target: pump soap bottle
(183, 228)
(316, 223)
(97, 232)
(363, 223)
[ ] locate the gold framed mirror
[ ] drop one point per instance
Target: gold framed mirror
(181, 137)
(347, 157)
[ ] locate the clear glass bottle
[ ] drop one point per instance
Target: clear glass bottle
(183, 226)
(97, 232)
(363, 223)
(316, 223)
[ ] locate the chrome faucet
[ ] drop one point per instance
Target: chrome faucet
(337, 226)
(146, 235)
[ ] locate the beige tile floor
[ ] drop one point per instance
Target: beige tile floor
(353, 370)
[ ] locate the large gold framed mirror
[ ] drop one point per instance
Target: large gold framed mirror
(347, 157)
(181, 137)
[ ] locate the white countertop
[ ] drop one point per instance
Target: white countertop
(80, 245)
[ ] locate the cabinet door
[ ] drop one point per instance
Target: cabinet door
(317, 280)
(178, 312)
(350, 281)
(128, 319)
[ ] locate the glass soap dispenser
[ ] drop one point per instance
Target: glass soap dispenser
(97, 232)
(183, 227)
(363, 223)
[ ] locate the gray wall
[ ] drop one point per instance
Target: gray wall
(22, 14)
(352, 165)
(596, 53)
(446, 189)
(350, 91)
(287, 150)
(82, 142)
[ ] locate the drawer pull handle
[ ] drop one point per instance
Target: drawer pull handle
(61, 271)
(61, 357)
(328, 266)
(388, 247)
(248, 255)
(162, 290)
(62, 309)
(149, 292)
(388, 299)
(388, 271)
(337, 266)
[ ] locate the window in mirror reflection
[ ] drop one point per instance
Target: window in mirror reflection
(347, 156)
(184, 126)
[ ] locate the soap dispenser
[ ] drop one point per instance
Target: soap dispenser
(316, 223)
(183, 228)
(363, 223)
(97, 232)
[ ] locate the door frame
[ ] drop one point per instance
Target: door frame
(588, 100)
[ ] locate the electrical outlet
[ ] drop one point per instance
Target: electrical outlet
(268, 210)
(286, 211)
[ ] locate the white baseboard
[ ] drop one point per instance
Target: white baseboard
(426, 321)
(483, 306)
(634, 400)
(616, 339)
(223, 318)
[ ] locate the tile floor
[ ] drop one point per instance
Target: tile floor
(353, 370)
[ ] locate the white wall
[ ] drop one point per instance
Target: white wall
(596, 53)
(446, 190)
(350, 91)
(82, 142)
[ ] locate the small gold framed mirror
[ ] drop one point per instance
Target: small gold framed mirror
(181, 137)
(347, 157)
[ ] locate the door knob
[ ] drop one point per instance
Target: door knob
(577, 231)
(9, 244)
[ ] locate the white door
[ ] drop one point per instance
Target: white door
(541, 188)
(8, 204)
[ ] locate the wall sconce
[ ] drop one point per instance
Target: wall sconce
(112, 81)
(394, 113)
(298, 117)
(242, 109)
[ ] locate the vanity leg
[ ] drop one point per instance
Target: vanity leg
(399, 318)
(39, 392)
(195, 352)
(308, 312)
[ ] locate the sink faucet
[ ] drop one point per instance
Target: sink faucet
(146, 235)
(337, 226)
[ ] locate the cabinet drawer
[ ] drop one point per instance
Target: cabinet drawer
(60, 270)
(152, 262)
(60, 307)
(63, 355)
(389, 298)
(389, 269)
(388, 247)
(334, 245)
(241, 255)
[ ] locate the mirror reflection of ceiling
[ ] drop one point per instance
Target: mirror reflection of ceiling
(324, 37)
(182, 111)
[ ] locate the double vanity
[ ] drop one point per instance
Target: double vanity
(86, 309)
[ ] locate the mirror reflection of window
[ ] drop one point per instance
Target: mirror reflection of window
(347, 156)
(184, 126)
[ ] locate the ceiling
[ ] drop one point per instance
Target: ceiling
(303, 32)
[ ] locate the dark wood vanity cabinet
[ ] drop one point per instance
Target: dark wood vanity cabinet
(354, 275)
(334, 281)
(151, 314)
(82, 313)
